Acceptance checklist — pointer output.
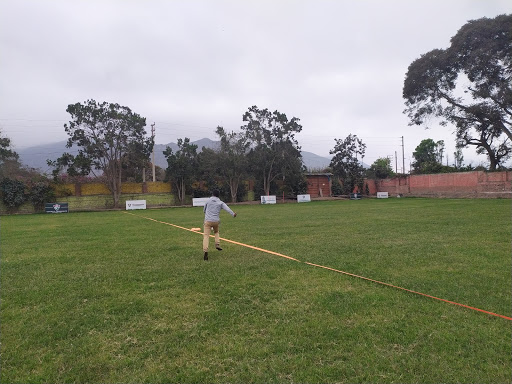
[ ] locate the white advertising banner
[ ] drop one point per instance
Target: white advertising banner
(199, 201)
(135, 204)
(382, 195)
(268, 199)
(303, 198)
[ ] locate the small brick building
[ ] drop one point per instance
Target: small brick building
(319, 184)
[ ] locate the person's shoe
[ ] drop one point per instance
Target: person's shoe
(218, 248)
(205, 256)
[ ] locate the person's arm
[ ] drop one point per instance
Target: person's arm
(227, 209)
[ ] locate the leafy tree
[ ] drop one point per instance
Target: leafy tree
(9, 159)
(458, 158)
(440, 150)
(366, 189)
(468, 85)
(208, 172)
(427, 157)
(136, 160)
(181, 166)
(76, 167)
(232, 160)
(337, 187)
(293, 179)
(20, 183)
(274, 152)
(106, 135)
(345, 163)
(6, 151)
(380, 169)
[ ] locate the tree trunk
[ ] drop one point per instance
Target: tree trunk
(118, 189)
(115, 195)
(266, 185)
(183, 193)
(233, 186)
(267, 178)
(180, 190)
(491, 155)
(113, 175)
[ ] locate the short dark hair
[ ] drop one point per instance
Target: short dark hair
(216, 193)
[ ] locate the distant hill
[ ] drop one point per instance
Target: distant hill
(314, 162)
(35, 157)
(160, 148)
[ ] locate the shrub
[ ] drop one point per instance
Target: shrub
(13, 193)
(337, 187)
(41, 193)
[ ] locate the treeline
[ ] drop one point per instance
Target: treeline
(114, 148)
(19, 184)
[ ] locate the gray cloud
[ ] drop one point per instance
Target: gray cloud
(192, 65)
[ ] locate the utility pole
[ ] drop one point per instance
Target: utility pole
(396, 163)
(153, 160)
(403, 157)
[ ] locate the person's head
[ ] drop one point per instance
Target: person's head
(216, 193)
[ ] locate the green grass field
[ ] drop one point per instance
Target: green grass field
(108, 297)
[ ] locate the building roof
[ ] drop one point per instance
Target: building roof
(318, 174)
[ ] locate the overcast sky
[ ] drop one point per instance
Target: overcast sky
(189, 66)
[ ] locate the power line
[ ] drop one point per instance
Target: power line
(2, 119)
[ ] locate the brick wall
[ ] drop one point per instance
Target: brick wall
(319, 185)
(464, 184)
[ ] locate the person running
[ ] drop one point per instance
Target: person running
(212, 210)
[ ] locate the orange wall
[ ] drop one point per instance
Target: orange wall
(319, 185)
(464, 184)
(92, 189)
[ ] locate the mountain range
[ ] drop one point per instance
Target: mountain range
(36, 157)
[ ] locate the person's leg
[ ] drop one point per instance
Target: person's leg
(206, 235)
(215, 227)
